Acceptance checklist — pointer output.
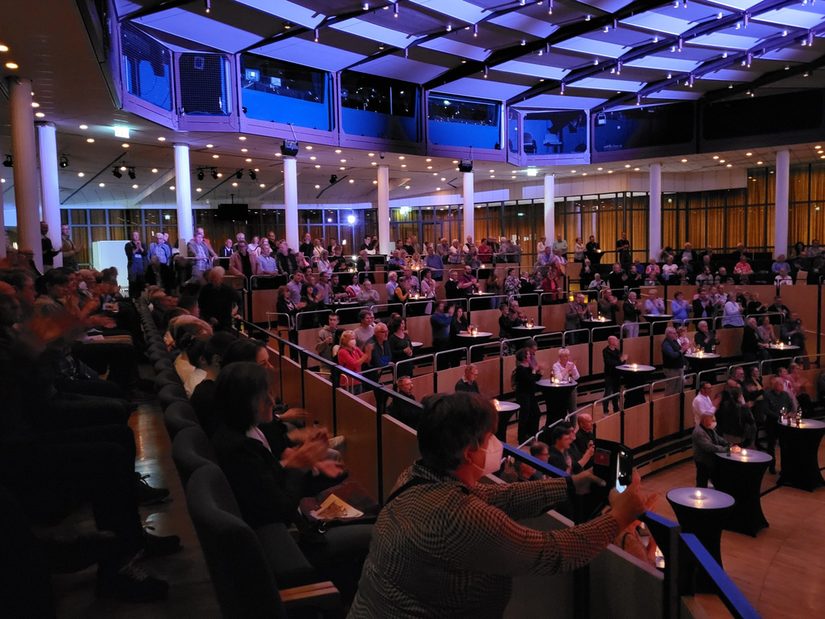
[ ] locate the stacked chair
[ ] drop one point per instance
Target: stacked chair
(255, 573)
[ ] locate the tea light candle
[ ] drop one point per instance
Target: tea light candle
(698, 495)
(744, 453)
(635, 366)
(571, 298)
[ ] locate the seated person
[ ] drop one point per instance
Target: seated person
(468, 381)
(561, 455)
(209, 361)
(540, 451)
(405, 412)
(328, 337)
(585, 435)
(704, 338)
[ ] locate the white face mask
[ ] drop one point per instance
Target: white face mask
(492, 456)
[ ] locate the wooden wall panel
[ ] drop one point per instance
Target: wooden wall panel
(637, 425)
(666, 416)
(730, 342)
(687, 413)
(356, 421)
(801, 299)
(422, 385)
(419, 330)
(291, 382)
(400, 450)
(486, 320)
(552, 317)
(318, 400)
(598, 358)
(637, 349)
(446, 379)
(609, 428)
(657, 349)
(263, 301)
(489, 377)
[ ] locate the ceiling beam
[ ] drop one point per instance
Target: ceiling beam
(564, 33)
(328, 21)
(779, 41)
(765, 79)
(659, 44)
(150, 189)
(105, 168)
(159, 7)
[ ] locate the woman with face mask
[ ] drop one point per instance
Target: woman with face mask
(445, 545)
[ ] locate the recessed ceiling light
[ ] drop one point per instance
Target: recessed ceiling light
(610, 171)
(684, 160)
(455, 160)
(244, 150)
(124, 145)
(257, 169)
(337, 151)
(429, 167)
(219, 175)
(438, 188)
(248, 160)
(443, 179)
(4, 48)
(134, 186)
(317, 186)
(635, 169)
(716, 156)
(278, 155)
(428, 159)
(154, 170)
(492, 175)
(599, 169)
(81, 174)
(12, 65)
(198, 189)
(171, 188)
(242, 138)
(90, 140)
(35, 104)
(342, 168)
(407, 187)
(374, 182)
(308, 146)
(39, 114)
(627, 165)
(758, 163)
(403, 165)
(748, 154)
(818, 146)
(584, 173)
(161, 139)
(351, 181)
(730, 165)
(343, 160)
(234, 184)
(373, 163)
(722, 161)
(210, 146)
(84, 127)
(572, 171)
(2, 180)
(262, 185)
(370, 154)
(401, 157)
(215, 156)
(317, 165)
(313, 158)
(101, 184)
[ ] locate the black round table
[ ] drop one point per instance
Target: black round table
(701, 361)
(506, 410)
(800, 454)
(658, 322)
(740, 475)
(471, 339)
(595, 323)
(559, 393)
(703, 512)
(782, 353)
(635, 375)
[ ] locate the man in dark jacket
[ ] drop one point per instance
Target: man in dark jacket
(673, 360)
(706, 444)
(468, 381)
(613, 358)
(400, 408)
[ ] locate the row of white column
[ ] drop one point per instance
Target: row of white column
(33, 205)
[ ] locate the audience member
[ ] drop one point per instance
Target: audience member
(706, 444)
(468, 381)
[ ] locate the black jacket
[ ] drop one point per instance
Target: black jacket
(672, 357)
(612, 359)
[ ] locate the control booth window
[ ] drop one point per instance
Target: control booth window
(379, 108)
(460, 121)
(283, 92)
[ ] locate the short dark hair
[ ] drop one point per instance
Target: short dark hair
(449, 424)
(217, 346)
(238, 390)
(560, 430)
(241, 351)
(536, 447)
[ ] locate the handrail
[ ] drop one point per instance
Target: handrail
(412, 361)
(565, 334)
(289, 319)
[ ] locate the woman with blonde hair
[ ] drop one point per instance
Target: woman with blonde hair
(352, 358)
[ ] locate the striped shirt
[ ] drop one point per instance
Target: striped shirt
(441, 549)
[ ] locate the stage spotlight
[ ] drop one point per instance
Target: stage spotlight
(253, 175)
(200, 174)
(8, 162)
(132, 173)
(117, 173)
(333, 178)
(64, 161)
(239, 174)
(214, 174)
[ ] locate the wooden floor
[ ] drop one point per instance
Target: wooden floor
(781, 571)
(190, 592)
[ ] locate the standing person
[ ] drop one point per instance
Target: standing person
(593, 251)
(440, 321)
(243, 263)
(704, 338)
(218, 301)
(630, 324)
(613, 358)
(68, 249)
(201, 254)
(160, 248)
(623, 249)
(227, 249)
(366, 329)
(328, 337)
(576, 311)
(706, 444)
(49, 252)
(578, 250)
(401, 346)
(446, 545)
(673, 360)
(524, 379)
(136, 263)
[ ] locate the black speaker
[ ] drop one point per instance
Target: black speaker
(465, 165)
(289, 148)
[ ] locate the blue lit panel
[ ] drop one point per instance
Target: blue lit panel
(459, 121)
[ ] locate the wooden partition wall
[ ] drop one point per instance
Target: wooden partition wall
(400, 450)
(357, 421)
(318, 395)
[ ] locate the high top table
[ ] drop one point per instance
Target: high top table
(635, 375)
(800, 454)
(740, 475)
(703, 512)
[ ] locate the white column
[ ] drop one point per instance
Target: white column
(183, 196)
(24, 151)
(4, 239)
(550, 208)
(469, 206)
(385, 244)
(654, 224)
(49, 184)
(291, 201)
(783, 173)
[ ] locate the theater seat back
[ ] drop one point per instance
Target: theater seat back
(243, 581)
(191, 450)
